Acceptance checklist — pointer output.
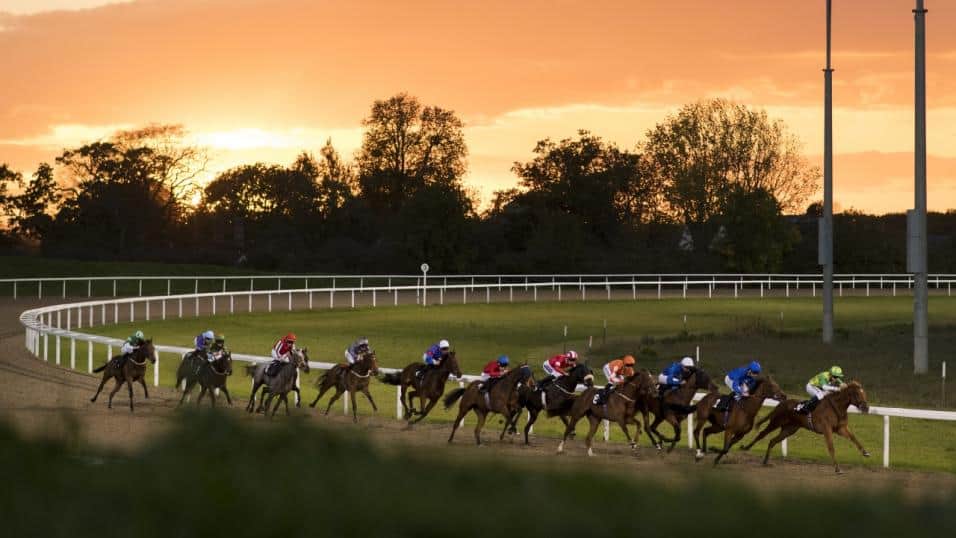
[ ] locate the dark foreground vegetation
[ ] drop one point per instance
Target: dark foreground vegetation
(211, 476)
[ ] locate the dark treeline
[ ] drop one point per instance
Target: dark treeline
(714, 187)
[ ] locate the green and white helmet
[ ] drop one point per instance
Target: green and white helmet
(836, 371)
(139, 336)
(221, 338)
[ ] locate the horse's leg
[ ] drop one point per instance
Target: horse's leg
(226, 392)
(182, 398)
(647, 427)
(623, 422)
(844, 431)
(265, 402)
(276, 406)
(252, 398)
(595, 421)
(322, 390)
(565, 420)
(406, 408)
(333, 399)
(428, 408)
(285, 400)
(828, 436)
(532, 417)
(785, 432)
(202, 392)
(129, 385)
(142, 381)
(676, 425)
(212, 396)
(103, 381)
(570, 423)
(482, 416)
(462, 411)
(114, 391)
(368, 395)
(773, 425)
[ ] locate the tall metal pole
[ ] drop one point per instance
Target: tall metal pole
(826, 231)
(920, 277)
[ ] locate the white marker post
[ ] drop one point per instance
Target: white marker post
(424, 269)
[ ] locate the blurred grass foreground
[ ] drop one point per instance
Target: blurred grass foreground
(212, 476)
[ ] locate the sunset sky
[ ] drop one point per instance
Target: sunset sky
(263, 80)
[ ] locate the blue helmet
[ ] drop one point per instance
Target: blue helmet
(503, 360)
(754, 367)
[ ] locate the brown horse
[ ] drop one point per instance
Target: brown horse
(554, 398)
(211, 377)
(829, 417)
(127, 370)
(619, 408)
(501, 398)
(737, 421)
(430, 386)
(673, 407)
(278, 385)
(351, 379)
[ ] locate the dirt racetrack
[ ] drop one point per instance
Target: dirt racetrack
(42, 399)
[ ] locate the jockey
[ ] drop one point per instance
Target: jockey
(820, 385)
(130, 345)
(673, 376)
(559, 365)
(218, 348)
(281, 352)
(202, 343)
(434, 356)
(357, 349)
(493, 371)
(616, 372)
(740, 380)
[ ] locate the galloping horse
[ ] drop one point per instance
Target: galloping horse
(128, 371)
(828, 418)
(619, 408)
(210, 376)
(555, 398)
(673, 407)
(500, 399)
(735, 422)
(430, 386)
(353, 379)
(280, 384)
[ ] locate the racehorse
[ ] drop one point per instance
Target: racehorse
(211, 376)
(554, 398)
(354, 378)
(280, 384)
(501, 398)
(737, 421)
(672, 407)
(829, 417)
(429, 386)
(127, 370)
(618, 407)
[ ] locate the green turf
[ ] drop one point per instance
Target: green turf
(872, 345)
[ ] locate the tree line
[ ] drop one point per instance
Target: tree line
(716, 186)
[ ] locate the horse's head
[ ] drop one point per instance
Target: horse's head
(702, 381)
(302, 359)
(854, 390)
(582, 374)
(148, 351)
(373, 362)
(646, 384)
(766, 387)
(524, 373)
(224, 363)
(452, 362)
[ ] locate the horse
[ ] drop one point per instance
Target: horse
(430, 386)
(829, 417)
(737, 421)
(618, 407)
(127, 370)
(188, 369)
(672, 407)
(354, 378)
(280, 384)
(211, 377)
(500, 398)
(554, 398)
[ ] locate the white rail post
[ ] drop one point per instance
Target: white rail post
(249, 306)
(46, 346)
(64, 288)
(784, 448)
(353, 300)
(141, 287)
(72, 353)
(114, 287)
(197, 306)
(147, 309)
(886, 441)
(58, 319)
(658, 287)
(109, 352)
(536, 294)
(310, 299)
(690, 431)
(156, 371)
(57, 350)
(103, 314)
(164, 310)
(89, 288)
(290, 301)
(14, 290)
(169, 286)
(488, 295)
(232, 304)
(132, 312)
(89, 356)
(607, 430)
(345, 400)
(398, 402)
(180, 307)
(269, 295)
(511, 294)
(214, 305)
(39, 289)
(332, 298)
(69, 324)
(559, 293)
(396, 297)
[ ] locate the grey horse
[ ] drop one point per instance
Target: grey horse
(278, 385)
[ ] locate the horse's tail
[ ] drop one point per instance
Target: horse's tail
(453, 397)
(101, 368)
(393, 378)
(251, 370)
(321, 380)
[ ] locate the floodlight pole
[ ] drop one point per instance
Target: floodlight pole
(918, 235)
(825, 244)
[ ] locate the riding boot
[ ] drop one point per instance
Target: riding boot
(546, 381)
(808, 406)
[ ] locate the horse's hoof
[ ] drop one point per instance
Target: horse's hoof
(312, 405)
(590, 452)
(699, 455)
(839, 471)
(866, 454)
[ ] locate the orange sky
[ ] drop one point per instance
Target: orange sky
(262, 80)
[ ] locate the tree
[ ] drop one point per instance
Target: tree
(754, 237)
(594, 181)
(337, 182)
(29, 213)
(711, 147)
(406, 147)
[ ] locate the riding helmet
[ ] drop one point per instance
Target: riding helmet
(836, 371)
(754, 367)
(503, 360)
